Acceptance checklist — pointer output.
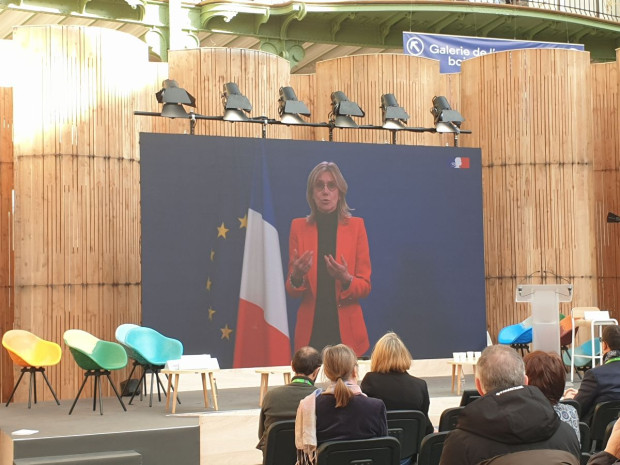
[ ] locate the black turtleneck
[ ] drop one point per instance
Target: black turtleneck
(325, 327)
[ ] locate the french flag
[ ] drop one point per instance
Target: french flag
(262, 337)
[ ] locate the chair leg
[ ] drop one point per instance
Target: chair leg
(133, 368)
(116, 391)
(79, 392)
(49, 385)
(95, 391)
(151, 396)
(100, 395)
(15, 388)
(139, 388)
(33, 381)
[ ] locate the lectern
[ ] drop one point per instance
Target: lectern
(545, 300)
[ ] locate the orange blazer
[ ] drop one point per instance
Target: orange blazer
(352, 243)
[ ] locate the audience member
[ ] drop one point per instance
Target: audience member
(509, 417)
(389, 381)
(340, 412)
(611, 454)
(281, 403)
(601, 383)
(546, 372)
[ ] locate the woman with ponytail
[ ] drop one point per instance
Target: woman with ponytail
(341, 411)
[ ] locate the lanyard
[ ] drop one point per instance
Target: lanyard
(615, 359)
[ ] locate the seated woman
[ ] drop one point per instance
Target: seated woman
(340, 412)
(546, 372)
(389, 381)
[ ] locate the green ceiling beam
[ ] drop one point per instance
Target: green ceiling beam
(108, 9)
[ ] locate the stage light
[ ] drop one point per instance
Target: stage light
(394, 116)
(612, 218)
(174, 97)
(342, 110)
(290, 107)
(446, 119)
(235, 103)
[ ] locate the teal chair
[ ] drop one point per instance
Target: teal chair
(518, 336)
(138, 361)
(97, 358)
(583, 354)
(152, 350)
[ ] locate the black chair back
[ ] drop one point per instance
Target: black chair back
(431, 448)
(409, 427)
(280, 444)
(573, 403)
(376, 451)
(449, 418)
(604, 412)
(608, 430)
(469, 395)
(584, 436)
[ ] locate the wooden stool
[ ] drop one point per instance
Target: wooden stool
(264, 379)
(203, 373)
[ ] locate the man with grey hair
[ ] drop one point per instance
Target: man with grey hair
(509, 417)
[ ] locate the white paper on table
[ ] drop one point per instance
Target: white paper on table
(24, 432)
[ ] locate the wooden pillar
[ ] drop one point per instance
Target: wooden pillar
(530, 112)
(77, 217)
(606, 155)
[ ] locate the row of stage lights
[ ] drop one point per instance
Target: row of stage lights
(237, 106)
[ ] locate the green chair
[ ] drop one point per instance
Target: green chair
(98, 358)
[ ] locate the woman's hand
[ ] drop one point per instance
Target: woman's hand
(301, 265)
(339, 272)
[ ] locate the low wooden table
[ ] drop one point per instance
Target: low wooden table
(203, 373)
(457, 371)
(264, 379)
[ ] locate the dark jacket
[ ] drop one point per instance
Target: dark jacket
(603, 458)
(399, 391)
(599, 384)
(534, 457)
(281, 403)
(363, 418)
(501, 422)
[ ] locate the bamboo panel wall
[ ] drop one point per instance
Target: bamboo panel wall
(305, 89)
(364, 78)
(204, 71)
(77, 217)
(532, 119)
(606, 153)
(6, 252)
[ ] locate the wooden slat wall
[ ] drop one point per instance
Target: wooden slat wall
(305, 89)
(203, 73)
(6, 252)
(77, 217)
(532, 119)
(364, 78)
(606, 155)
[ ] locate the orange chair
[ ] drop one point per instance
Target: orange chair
(33, 354)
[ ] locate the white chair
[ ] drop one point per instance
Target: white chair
(594, 318)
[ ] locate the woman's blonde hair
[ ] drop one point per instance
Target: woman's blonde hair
(339, 364)
(344, 211)
(390, 355)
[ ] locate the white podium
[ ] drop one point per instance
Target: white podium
(545, 300)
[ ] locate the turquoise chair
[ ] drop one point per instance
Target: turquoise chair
(152, 350)
(583, 354)
(97, 358)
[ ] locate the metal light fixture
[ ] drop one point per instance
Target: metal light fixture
(394, 116)
(174, 97)
(235, 103)
(613, 218)
(290, 107)
(342, 110)
(446, 119)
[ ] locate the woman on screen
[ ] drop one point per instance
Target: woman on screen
(329, 265)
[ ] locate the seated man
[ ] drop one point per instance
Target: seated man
(281, 403)
(601, 383)
(509, 417)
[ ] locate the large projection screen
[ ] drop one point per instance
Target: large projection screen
(422, 207)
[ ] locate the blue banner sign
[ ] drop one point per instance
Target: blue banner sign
(452, 50)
